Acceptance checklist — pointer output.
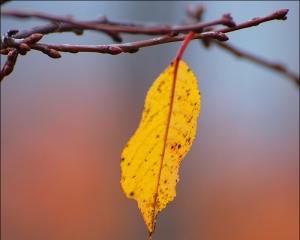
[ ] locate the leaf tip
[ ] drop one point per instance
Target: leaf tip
(151, 235)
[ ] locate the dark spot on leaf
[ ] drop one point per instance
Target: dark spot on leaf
(158, 89)
(189, 70)
(172, 147)
(123, 159)
(133, 176)
(146, 160)
(165, 181)
(179, 146)
(157, 136)
(128, 164)
(132, 193)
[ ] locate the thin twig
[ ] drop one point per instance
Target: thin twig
(274, 66)
(134, 46)
(9, 64)
(195, 13)
(156, 30)
(52, 27)
(28, 39)
(131, 47)
(278, 15)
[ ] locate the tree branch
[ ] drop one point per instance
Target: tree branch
(134, 47)
(274, 66)
(278, 15)
(131, 47)
(24, 41)
(9, 64)
(114, 28)
(195, 14)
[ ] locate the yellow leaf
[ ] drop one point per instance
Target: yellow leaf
(150, 161)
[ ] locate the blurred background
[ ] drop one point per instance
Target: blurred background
(64, 124)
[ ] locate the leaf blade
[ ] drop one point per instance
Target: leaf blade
(151, 159)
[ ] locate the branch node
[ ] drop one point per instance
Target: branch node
(24, 47)
(281, 14)
(102, 19)
(222, 37)
(12, 32)
(9, 64)
(228, 20)
(53, 53)
(114, 50)
(34, 38)
(195, 12)
(5, 51)
(173, 34)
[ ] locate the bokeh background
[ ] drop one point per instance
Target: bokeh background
(65, 122)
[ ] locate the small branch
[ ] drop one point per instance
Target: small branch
(274, 66)
(23, 45)
(278, 15)
(134, 47)
(195, 14)
(157, 30)
(126, 47)
(113, 29)
(52, 27)
(9, 64)
(26, 40)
